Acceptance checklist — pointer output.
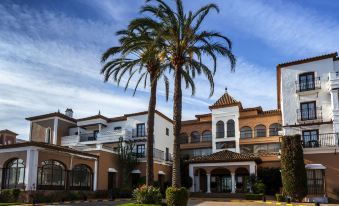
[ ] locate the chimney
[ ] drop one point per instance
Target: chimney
(69, 112)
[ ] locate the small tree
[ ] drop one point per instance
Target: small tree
(127, 160)
(293, 172)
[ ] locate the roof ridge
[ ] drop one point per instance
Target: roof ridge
(309, 59)
(225, 100)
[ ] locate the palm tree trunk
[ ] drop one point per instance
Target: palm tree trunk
(150, 131)
(177, 110)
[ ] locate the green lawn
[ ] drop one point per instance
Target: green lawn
(3, 204)
(134, 204)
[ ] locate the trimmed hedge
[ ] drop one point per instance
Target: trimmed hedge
(9, 195)
(147, 195)
(253, 196)
(176, 196)
(293, 170)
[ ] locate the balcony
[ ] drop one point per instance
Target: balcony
(333, 80)
(157, 155)
(309, 115)
(312, 84)
(100, 137)
(321, 140)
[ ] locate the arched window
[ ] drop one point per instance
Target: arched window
(230, 128)
(260, 130)
(195, 137)
(14, 174)
(183, 138)
(81, 178)
(207, 136)
(51, 175)
(274, 129)
(220, 129)
(246, 132)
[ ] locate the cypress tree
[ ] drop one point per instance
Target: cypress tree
(293, 172)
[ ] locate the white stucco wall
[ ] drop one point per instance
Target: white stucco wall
(225, 114)
(290, 99)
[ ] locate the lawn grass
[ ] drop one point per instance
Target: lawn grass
(3, 204)
(134, 204)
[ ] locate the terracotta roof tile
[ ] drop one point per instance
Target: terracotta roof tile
(8, 132)
(225, 156)
(311, 59)
(225, 100)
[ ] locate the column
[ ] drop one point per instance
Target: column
(191, 174)
(30, 130)
(253, 168)
(95, 177)
(208, 176)
(31, 170)
(55, 131)
(233, 182)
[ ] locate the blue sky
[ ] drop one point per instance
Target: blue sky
(50, 51)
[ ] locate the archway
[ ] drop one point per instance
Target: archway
(14, 174)
(81, 177)
(221, 180)
(51, 175)
(242, 180)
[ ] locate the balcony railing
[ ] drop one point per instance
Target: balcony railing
(309, 114)
(157, 155)
(312, 84)
(321, 140)
(136, 133)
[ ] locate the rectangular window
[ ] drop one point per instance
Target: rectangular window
(167, 131)
(306, 81)
(167, 154)
(310, 138)
(117, 128)
(141, 150)
(225, 145)
(48, 137)
(308, 111)
(141, 130)
(315, 181)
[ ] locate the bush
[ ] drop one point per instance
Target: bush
(259, 187)
(147, 195)
(253, 196)
(271, 177)
(280, 197)
(9, 195)
(293, 170)
(176, 196)
(187, 181)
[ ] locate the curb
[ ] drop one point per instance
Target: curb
(77, 201)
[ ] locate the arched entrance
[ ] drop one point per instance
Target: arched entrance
(242, 179)
(221, 180)
(200, 181)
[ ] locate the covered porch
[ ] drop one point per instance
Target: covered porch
(222, 172)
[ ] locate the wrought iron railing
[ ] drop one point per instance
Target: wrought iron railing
(310, 84)
(321, 140)
(314, 114)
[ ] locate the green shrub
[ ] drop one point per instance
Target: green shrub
(176, 196)
(10, 195)
(147, 195)
(280, 197)
(293, 170)
(259, 187)
(253, 196)
(186, 181)
(271, 177)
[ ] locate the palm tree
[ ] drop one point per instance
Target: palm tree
(138, 53)
(186, 44)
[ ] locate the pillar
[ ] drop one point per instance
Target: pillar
(208, 176)
(191, 174)
(55, 131)
(31, 169)
(95, 177)
(233, 182)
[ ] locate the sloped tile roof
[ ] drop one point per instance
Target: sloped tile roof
(311, 59)
(8, 132)
(224, 101)
(225, 156)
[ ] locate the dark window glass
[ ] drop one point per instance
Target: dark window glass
(167, 154)
(274, 129)
(246, 132)
(117, 128)
(141, 130)
(246, 149)
(183, 138)
(141, 150)
(230, 128)
(260, 131)
(311, 138)
(167, 131)
(308, 111)
(51, 175)
(225, 145)
(207, 136)
(220, 129)
(306, 81)
(195, 137)
(315, 182)
(14, 174)
(81, 178)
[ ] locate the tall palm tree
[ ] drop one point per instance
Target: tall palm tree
(138, 53)
(186, 44)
